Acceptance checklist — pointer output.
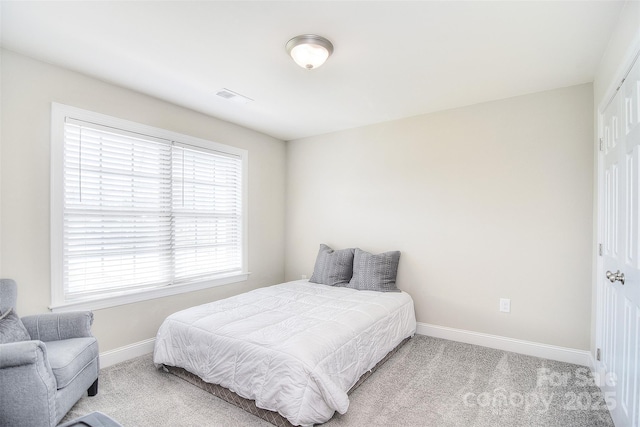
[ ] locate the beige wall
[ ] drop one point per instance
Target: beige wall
(488, 201)
(28, 87)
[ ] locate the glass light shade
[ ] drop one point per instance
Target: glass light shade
(309, 56)
(309, 51)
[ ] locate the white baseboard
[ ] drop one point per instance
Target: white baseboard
(121, 354)
(562, 354)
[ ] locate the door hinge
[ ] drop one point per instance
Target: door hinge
(600, 249)
(598, 355)
(600, 144)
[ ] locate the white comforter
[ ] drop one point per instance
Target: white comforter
(294, 348)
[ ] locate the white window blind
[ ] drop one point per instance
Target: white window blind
(207, 209)
(141, 212)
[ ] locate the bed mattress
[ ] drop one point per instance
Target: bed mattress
(295, 348)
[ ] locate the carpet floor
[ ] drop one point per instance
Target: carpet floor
(428, 382)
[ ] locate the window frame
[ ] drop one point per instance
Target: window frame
(58, 303)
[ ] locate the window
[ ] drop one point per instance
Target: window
(140, 212)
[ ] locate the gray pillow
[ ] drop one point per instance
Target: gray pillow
(11, 328)
(333, 268)
(375, 272)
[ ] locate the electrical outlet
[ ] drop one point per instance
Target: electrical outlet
(304, 276)
(505, 305)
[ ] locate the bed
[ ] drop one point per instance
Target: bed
(296, 348)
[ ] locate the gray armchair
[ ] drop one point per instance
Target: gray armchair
(41, 379)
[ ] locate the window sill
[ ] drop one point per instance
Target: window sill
(132, 297)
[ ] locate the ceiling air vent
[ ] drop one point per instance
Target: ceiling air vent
(232, 96)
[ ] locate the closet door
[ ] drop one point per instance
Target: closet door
(620, 278)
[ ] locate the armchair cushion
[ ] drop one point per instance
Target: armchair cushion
(11, 328)
(8, 294)
(69, 357)
(59, 326)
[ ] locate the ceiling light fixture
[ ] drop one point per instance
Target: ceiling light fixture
(309, 51)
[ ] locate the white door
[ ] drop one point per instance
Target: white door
(619, 281)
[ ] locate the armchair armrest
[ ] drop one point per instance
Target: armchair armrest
(21, 353)
(59, 326)
(27, 385)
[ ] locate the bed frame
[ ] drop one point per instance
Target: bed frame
(250, 405)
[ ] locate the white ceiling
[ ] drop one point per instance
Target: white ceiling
(392, 59)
